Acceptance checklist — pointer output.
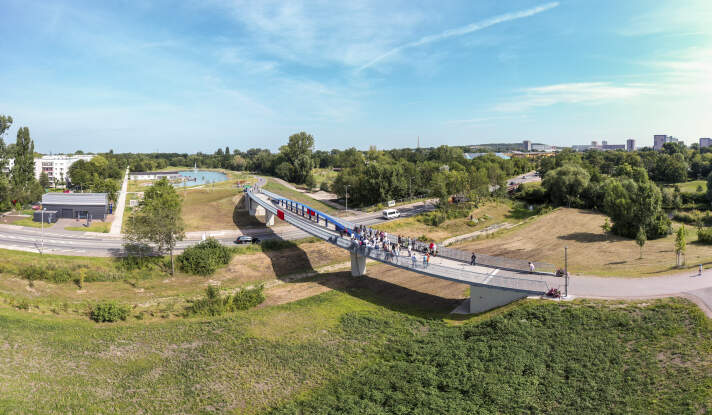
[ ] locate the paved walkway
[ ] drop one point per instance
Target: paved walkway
(119, 208)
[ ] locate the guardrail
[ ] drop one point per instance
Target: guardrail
(455, 274)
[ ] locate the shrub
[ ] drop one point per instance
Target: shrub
(324, 186)
(34, 272)
(704, 235)
(109, 312)
(214, 305)
(205, 257)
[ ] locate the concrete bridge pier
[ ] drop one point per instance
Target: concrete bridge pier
(486, 298)
(358, 264)
(255, 209)
(269, 219)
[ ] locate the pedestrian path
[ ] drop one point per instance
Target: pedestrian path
(120, 207)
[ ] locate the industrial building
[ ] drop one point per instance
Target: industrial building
(92, 206)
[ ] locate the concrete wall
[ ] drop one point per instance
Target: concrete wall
(486, 298)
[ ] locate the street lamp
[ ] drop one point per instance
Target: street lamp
(42, 225)
(347, 197)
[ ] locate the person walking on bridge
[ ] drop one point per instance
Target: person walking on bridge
(413, 259)
(426, 259)
(531, 267)
(473, 259)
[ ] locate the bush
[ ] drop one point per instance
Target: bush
(704, 235)
(324, 186)
(205, 257)
(109, 312)
(214, 305)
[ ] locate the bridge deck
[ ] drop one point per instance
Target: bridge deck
(438, 268)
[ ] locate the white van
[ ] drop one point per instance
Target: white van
(391, 213)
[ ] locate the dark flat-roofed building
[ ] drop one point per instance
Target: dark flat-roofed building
(94, 206)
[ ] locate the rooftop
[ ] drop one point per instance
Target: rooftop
(54, 198)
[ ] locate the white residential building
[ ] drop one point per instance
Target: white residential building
(56, 167)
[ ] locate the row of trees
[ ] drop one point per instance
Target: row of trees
(18, 184)
(97, 175)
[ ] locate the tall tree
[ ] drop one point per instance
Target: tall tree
(44, 180)
(24, 186)
(5, 123)
(680, 244)
(158, 220)
(298, 152)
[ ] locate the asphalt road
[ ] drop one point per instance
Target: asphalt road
(100, 244)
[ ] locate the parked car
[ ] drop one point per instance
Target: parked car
(246, 240)
(391, 213)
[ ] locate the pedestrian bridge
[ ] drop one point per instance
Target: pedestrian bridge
(489, 287)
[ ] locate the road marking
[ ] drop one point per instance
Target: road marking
(492, 274)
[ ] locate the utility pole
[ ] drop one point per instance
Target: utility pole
(566, 271)
(347, 197)
(42, 225)
(410, 188)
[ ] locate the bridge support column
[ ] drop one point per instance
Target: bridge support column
(269, 219)
(486, 298)
(251, 206)
(358, 264)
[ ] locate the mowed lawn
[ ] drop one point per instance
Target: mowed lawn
(691, 187)
(591, 252)
(344, 352)
(488, 214)
(286, 192)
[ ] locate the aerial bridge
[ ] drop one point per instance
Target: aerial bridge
(490, 286)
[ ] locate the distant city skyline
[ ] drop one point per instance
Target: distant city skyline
(186, 76)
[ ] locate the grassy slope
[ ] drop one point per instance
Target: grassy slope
(150, 293)
(540, 357)
(537, 358)
(498, 212)
(590, 250)
(299, 197)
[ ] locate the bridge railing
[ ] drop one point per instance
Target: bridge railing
(457, 274)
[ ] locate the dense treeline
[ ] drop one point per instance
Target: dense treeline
(621, 184)
(439, 172)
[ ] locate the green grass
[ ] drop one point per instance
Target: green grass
(691, 187)
(30, 223)
(537, 358)
(101, 227)
(299, 197)
(341, 353)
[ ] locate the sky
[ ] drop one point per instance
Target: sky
(197, 75)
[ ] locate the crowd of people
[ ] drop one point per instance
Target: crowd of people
(393, 246)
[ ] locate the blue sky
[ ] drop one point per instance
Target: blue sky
(197, 75)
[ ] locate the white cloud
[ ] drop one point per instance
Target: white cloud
(461, 31)
(573, 93)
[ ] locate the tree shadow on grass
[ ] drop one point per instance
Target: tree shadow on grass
(586, 237)
(286, 257)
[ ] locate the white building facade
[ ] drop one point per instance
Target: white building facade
(56, 167)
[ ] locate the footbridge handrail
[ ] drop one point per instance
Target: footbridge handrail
(456, 274)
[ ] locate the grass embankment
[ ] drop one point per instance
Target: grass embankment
(150, 291)
(341, 352)
(30, 223)
(211, 207)
(491, 213)
(324, 175)
(590, 251)
(101, 227)
(282, 190)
